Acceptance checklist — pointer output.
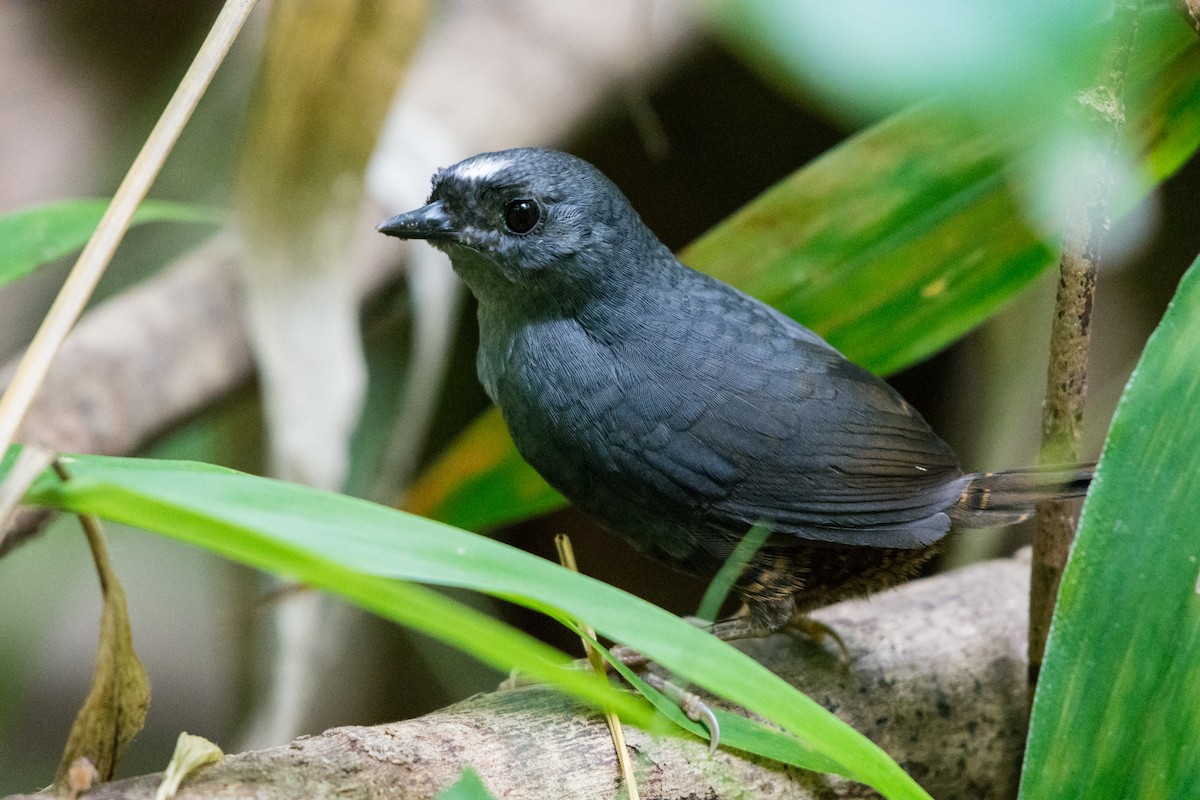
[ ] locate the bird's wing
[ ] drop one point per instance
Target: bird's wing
(779, 428)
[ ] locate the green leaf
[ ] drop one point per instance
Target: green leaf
(890, 246)
(871, 56)
(358, 549)
(35, 236)
(1117, 709)
(725, 579)
(221, 512)
(467, 787)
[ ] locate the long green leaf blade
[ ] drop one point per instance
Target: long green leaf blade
(1117, 710)
(329, 539)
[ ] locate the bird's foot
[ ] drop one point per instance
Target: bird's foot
(690, 703)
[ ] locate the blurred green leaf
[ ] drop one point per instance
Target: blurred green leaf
(872, 57)
(890, 246)
(1117, 709)
(38, 235)
(359, 550)
(907, 236)
(722, 584)
(467, 787)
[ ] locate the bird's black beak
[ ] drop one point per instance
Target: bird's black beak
(427, 222)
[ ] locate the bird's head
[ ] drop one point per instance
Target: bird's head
(528, 223)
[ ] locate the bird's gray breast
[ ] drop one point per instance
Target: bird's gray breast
(561, 393)
(604, 423)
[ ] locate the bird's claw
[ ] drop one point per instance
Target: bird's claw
(691, 705)
(818, 632)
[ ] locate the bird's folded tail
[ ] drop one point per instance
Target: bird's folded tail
(993, 499)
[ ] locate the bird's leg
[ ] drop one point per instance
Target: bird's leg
(768, 615)
(762, 620)
(689, 702)
(763, 615)
(635, 660)
(744, 627)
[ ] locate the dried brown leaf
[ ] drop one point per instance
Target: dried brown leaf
(115, 708)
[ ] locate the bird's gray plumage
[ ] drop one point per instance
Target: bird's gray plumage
(680, 411)
(670, 405)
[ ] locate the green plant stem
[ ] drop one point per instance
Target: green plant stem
(1066, 379)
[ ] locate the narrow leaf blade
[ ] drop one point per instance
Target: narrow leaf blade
(359, 549)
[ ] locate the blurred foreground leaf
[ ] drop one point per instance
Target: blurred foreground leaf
(890, 246)
(359, 549)
(467, 787)
(295, 531)
(1117, 709)
(35, 236)
(869, 57)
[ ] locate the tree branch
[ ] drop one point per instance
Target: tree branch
(1191, 9)
(937, 679)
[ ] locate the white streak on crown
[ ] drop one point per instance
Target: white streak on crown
(481, 169)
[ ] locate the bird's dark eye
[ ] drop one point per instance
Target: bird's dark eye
(521, 215)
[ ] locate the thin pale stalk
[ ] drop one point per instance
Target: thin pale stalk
(98, 252)
(566, 557)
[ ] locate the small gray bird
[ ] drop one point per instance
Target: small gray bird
(680, 412)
